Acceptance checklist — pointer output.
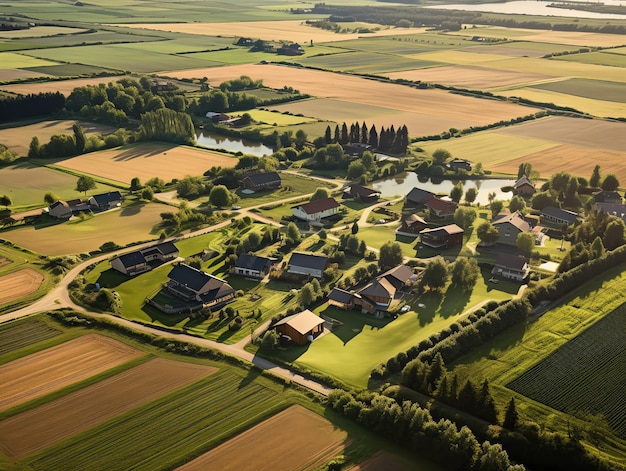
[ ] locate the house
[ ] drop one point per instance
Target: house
(191, 284)
(244, 42)
(509, 226)
(105, 201)
(512, 267)
(524, 187)
(411, 226)
(440, 209)
(442, 237)
(356, 148)
(361, 193)
(343, 299)
(134, 263)
(262, 181)
(253, 266)
(460, 164)
(302, 327)
(293, 49)
(607, 197)
(614, 209)
(60, 210)
(302, 263)
(218, 117)
(316, 210)
(418, 197)
(558, 216)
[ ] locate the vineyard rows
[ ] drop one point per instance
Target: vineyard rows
(22, 334)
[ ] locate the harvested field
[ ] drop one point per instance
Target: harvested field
(279, 444)
(40, 32)
(50, 423)
(146, 161)
(383, 461)
(52, 369)
(18, 139)
(63, 86)
(16, 335)
(19, 284)
(9, 75)
(291, 30)
(469, 76)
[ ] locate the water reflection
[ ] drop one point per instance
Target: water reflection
(232, 144)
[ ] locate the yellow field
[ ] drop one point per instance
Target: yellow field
(40, 31)
(166, 161)
(63, 86)
(11, 60)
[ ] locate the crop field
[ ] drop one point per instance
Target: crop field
(10, 60)
(54, 368)
(65, 40)
(180, 44)
(187, 422)
(40, 32)
(519, 49)
(365, 62)
(9, 75)
(134, 222)
(277, 118)
(404, 44)
(599, 58)
(148, 160)
(22, 334)
(572, 38)
(18, 139)
(593, 89)
(384, 461)
(588, 373)
(295, 439)
(93, 405)
(19, 284)
(62, 86)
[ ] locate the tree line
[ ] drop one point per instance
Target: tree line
(17, 107)
(388, 140)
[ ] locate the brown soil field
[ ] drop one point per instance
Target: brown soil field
(295, 439)
(383, 461)
(19, 284)
(9, 75)
(431, 104)
(64, 86)
(468, 76)
(18, 139)
(54, 368)
(43, 426)
(290, 30)
(146, 161)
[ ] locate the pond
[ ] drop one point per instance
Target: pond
(402, 183)
(232, 144)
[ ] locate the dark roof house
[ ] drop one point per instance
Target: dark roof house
(60, 210)
(442, 237)
(361, 193)
(614, 209)
(302, 263)
(607, 197)
(190, 284)
(253, 265)
(106, 200)
(134, 263)
(412, 225)
(262, 181)
(558, 215)
(509, 226)
(417, 196)
(524, 186)
(460, 164)
(440, 209)
(512, 267)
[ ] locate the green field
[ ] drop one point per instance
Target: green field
(586, 88)
(597, 58)
(586, 374)
(366, 62)
(24, 333)
(10, 60)
(73, 39)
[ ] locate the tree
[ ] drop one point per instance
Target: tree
(440, 156)
(307, 295)
(79, 137)
(355, 227)
(496, 206)
(135, 184)
(615, 235)
(35, 148)
(85, 183)
(5, 200)
(510, 415)
(293, 232)
(464, 217)
(525, 242)
(464, 273)
(470, 195)
(49, 198)
(270, 340)
(435, 274)
(301, 138)
(320, 194)
(390, 255)
(517, 203)
(487, 233)
(596, 178)
(356, 169)
(610, 183)
(456, 192)
(147, 193)
(524, 169)
(220, 196)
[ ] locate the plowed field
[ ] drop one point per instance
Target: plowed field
(19, 284)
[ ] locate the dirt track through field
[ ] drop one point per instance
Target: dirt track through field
(52, 369)
(41, 427)
(383, 461)
(295, 439)
(19, 284)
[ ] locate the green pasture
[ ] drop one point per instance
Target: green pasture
(26, 185)
(118, 57)
(275, 118)
(135, 221)
(312, 129)
(399, 46)
(11, 60)
(292, 185)
(617, 50)
(165, 43)
(66, 40)
(534, 46)
(366, 62)
(597, 58)
(492, 32)
(586, 88)
(40, 32)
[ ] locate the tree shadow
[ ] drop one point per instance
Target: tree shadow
(454, 301)
(132, 209)
(253, 373)
(353, 322)
(111, 278)
(428, 306)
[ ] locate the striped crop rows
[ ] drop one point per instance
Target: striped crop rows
(23, 334)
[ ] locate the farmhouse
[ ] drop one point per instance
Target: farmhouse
(253, 266)
(134, 263)
(442, 237)
(460, 164)
(418, 197)
(60, 210)
(218, 117)
(558, 215)
(343, 299)
(523, 186)
(607, 197)
(356, 148)
(301, 328)
(512, 267)
(361, 193)
(105, 201)
(262, 181)
(316, 210)
(302, 263)
(191, 284)
(440, 209)
(411, 226)
(293, 49)
(509, 226)
(614, 209)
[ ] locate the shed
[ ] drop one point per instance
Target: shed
(301, 327)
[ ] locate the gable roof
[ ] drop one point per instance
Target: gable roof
(301, 322)
(363, 192)
(132, 259)
(417, 195)
(516, 262)
(614, 209)
(195, 279)
(380, 288)
(414, 218)
(439, 204)
(318, 206)
(263, 178)
(401, 273)
(559, 213)
(309, 260)
(253, 262)
(515, 219)
(167, 248)
(342, 296)
(59, 203)
(449, 230)
(106, 198)
(523, 180)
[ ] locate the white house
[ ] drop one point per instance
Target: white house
(316, 210)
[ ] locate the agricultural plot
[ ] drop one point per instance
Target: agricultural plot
(277, 444)
(187, 422)
(365, 62)
(133, 222)
(593, 89)
(519, 49)
(148, 160)
(9, 75)
(62, 86)
(598, 58)
(65, 40)
(403, 45)
(19, 284)
(572, 38)
(179, 44)
(10, 60)
(22, 334)
(54, 368)
(588, 373)
(41, 32)
(50, 423)
(384, 461)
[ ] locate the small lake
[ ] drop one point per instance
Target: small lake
(232, 144)
(532, 7)
(402, 183)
